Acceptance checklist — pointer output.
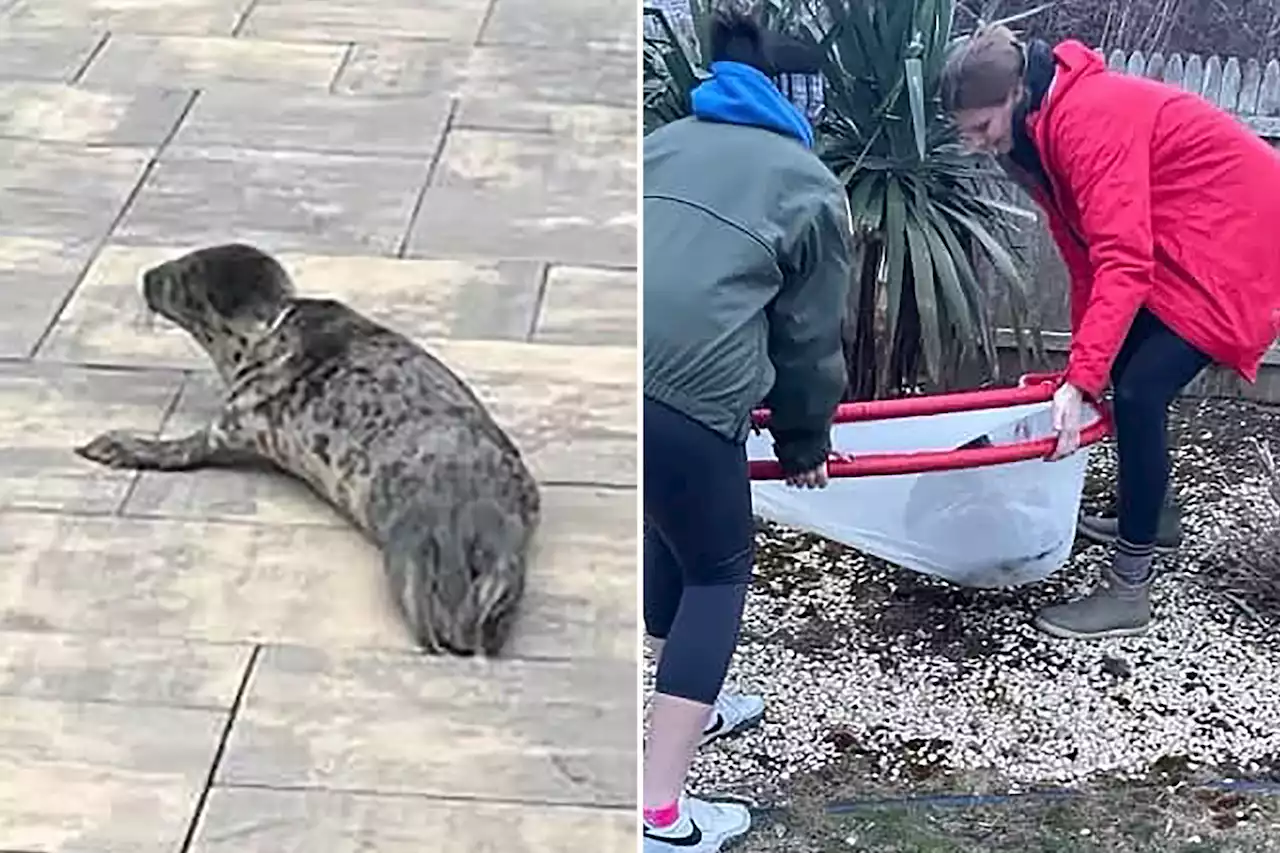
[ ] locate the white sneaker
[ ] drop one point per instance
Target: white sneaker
(731, 715)
(702, 827)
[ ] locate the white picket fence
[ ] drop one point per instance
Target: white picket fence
(1248, 89)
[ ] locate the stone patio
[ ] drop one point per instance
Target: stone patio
(204, 662)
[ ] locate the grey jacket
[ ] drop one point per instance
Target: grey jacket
(747, 250)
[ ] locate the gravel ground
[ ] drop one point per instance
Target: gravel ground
(927, 686)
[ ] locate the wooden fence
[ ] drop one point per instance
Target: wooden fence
(1248, 89)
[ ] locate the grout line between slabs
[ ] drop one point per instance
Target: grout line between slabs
(115, 223)
(136, 479)
(489, 9)
(439, 798)
(202, 801)
(436, 157)
(342, 67)
(243, 20)
(539, 301)
(98, 367)
(78, 76)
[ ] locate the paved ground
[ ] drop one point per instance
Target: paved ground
(203, 662)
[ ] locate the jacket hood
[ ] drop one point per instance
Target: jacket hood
(1075, 61)
(740, 94)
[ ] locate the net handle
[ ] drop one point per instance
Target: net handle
(1031, 388)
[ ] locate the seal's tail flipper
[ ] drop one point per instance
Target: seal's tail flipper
(457, 581)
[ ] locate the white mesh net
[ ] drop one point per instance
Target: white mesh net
(998, 526)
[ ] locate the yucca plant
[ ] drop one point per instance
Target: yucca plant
(672, 69)
(924, 211)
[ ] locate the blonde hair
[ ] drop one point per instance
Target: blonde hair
(983, 70)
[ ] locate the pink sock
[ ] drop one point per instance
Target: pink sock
(663, 816)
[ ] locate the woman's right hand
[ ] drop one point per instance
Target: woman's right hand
(815, 478)
(1068, 406)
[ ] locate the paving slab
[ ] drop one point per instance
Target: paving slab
(36, 276)
(569, 122)
(580, 74)
(54, 54)
(135, 670)
(65, 192)
(232, 582)
(256, 117)
(588, 307)
(497, 194)
(207, 61)
(199, 17)
(210, 581)
(565, 229)
(58, 112)
(404, 68)
(45, 411)
(101, 778)
(281, 200)
(583, 75)
(257, 820)
(524, 163)
(553, 732)
(563, 24)
(356, 20)
(584, 607)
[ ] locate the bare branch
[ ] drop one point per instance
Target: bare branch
(1269, 467)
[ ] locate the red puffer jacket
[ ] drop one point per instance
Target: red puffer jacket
(1158, 198)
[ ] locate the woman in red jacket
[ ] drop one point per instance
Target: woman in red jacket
(1164, 209)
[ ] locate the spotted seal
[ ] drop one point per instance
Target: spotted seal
(368, 419)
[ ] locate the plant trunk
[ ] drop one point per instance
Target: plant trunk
(860, 352)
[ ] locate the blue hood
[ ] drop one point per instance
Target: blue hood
(740, 94)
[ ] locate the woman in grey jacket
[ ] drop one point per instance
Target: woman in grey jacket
(746, 271)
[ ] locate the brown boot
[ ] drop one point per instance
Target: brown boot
(1113, 609)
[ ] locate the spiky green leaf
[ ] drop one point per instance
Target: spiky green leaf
(895, 238)
(926, 294)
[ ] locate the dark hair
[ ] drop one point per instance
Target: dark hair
(736, 36)
(983, 70)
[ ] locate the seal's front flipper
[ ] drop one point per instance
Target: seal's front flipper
(117, 449)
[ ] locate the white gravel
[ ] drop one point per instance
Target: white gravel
(928, 682)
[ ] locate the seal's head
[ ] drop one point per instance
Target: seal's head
(226, 297)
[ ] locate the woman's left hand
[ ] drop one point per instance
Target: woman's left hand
(1068, 407)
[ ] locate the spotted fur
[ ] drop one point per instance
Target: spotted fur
(368, 419)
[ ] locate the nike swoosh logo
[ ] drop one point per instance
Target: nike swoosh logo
(693, 839)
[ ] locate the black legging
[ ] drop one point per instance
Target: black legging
(699, 544)
(1152, 368)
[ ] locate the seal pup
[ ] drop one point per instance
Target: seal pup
(377, 426)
